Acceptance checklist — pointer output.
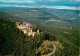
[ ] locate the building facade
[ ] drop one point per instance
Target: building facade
(27, 28)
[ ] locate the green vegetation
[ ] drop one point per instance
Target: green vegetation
(69, 38)
(68, 18)
(13, 41)
(45, 48)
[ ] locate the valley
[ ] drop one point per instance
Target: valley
(43, 16)
(39, 32)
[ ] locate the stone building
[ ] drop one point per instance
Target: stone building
(27, 28)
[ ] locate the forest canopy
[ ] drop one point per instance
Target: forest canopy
(14, 42)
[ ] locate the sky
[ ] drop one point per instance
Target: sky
(58, 4)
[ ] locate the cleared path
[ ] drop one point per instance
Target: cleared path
(53, 50)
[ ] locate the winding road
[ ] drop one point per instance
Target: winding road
(53, 50)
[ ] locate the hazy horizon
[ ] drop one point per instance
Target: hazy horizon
(57, 4)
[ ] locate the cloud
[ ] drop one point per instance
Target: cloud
(53, 0)
(56, 0)
(48, 0)
(63, 7)
(77, 0)
(13, 1)
(44, 6)
(16, 6)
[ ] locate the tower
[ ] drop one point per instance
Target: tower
(38, 31)
(31, 30)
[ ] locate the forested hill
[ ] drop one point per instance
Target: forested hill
(13, 41)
